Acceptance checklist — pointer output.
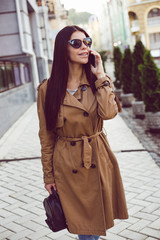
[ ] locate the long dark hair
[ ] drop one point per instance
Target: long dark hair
(57, 83)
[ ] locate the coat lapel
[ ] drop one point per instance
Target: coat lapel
(83, 98)
(70, 100)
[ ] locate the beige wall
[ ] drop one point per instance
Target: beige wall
(142, 10)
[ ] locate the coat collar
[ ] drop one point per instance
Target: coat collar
(76, 100)
(70, 100)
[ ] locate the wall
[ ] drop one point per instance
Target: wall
(9, 32)
(13, 104)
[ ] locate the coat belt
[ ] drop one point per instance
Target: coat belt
(87, 149)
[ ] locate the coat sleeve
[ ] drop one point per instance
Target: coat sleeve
(47, 140)
(108, 104)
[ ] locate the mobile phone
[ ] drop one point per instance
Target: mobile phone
(92, 59)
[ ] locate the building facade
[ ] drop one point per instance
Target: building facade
(114, 24)
(144, 17)
(26, 53)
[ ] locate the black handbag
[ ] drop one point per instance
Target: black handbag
(54, 212)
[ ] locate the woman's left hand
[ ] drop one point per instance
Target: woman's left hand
(98, 70)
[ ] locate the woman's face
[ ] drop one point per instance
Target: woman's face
(78, 55)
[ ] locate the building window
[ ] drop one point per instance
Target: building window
(17, 74)
(13, 75)
(155, 12)
(154, 17)
(154, 41)
(3, 79)
(9, 75)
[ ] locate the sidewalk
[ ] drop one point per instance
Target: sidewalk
(21, 188)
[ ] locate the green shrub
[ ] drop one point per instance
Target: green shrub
(117, 58)
(150, 79)
(137, 58)
(126, 71)
(104, 58)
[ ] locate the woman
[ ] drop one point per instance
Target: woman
(76, 157)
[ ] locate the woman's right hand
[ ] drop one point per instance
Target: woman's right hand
(49, 186)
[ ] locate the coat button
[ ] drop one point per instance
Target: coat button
(85, 114)
(64, 119)
(84, 88)
(73, 143)
(74, 171)
(93, 165)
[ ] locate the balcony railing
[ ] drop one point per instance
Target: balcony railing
(135, 26)
(155, 45)
(153, 21)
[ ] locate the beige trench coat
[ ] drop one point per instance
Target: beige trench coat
(80, 160)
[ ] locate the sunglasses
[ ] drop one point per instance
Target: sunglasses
(77, 43)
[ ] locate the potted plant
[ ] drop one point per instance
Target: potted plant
(138, 106)
(126, 78)
(150, 79)
(117, 58)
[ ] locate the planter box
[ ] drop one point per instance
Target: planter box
(153, 121)
(138, 109)
(118, 93)
(127, 99)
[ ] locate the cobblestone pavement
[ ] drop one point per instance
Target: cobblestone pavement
(21, 187)
(150, 141)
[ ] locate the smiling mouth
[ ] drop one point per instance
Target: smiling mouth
(84, 54)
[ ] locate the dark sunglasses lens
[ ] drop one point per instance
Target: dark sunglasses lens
(87, 41)
(76, 43)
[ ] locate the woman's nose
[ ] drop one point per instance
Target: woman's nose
(83, 46)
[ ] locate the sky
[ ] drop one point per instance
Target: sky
(82, 5)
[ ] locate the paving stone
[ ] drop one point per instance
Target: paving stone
(2, 229)
(36, 211)
(14, 227)
(119, 227)
(144, 194)
(32, 225)
(74, 236)
(6, 220)
(151, 232)
(132, 220)
(4, 235)
(132, 235)
(135, 190)
(45, 238)
(146, 216)
(157, 212)
(20, 212)
(26, 218)
(155, 224)
(139, 225)
(140, 202)
(64, 237)
(5, 213)
(20, 235)
(11, 207)
(135, 209)
(55, 235)
(153, 199)
(111, 236)
(152, 207)
(39, 234)
(150, 238)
